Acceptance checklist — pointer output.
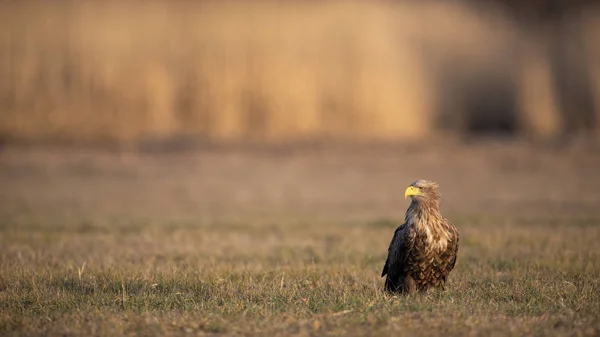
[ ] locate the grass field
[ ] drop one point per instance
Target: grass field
(291, 241)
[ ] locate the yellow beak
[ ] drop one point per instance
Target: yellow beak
(410, 191)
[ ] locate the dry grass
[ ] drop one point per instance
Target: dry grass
(128, 276)
(291, 241)
(125, 71)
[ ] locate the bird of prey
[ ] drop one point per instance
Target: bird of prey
(423, 250)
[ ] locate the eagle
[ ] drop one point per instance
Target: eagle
(424, 248)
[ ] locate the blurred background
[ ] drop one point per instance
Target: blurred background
(128, 73)
(168, 76)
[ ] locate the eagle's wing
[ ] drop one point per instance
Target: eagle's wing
(452, 250)
(395, 250)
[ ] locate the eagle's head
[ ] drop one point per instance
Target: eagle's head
(423, 190)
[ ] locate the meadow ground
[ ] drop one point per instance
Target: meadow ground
(291, 241)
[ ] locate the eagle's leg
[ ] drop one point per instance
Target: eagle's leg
(409, 285)
(400, 284)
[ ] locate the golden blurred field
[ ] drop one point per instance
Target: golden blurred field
(124, 71)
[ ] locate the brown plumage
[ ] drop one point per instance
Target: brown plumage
(423, 250)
